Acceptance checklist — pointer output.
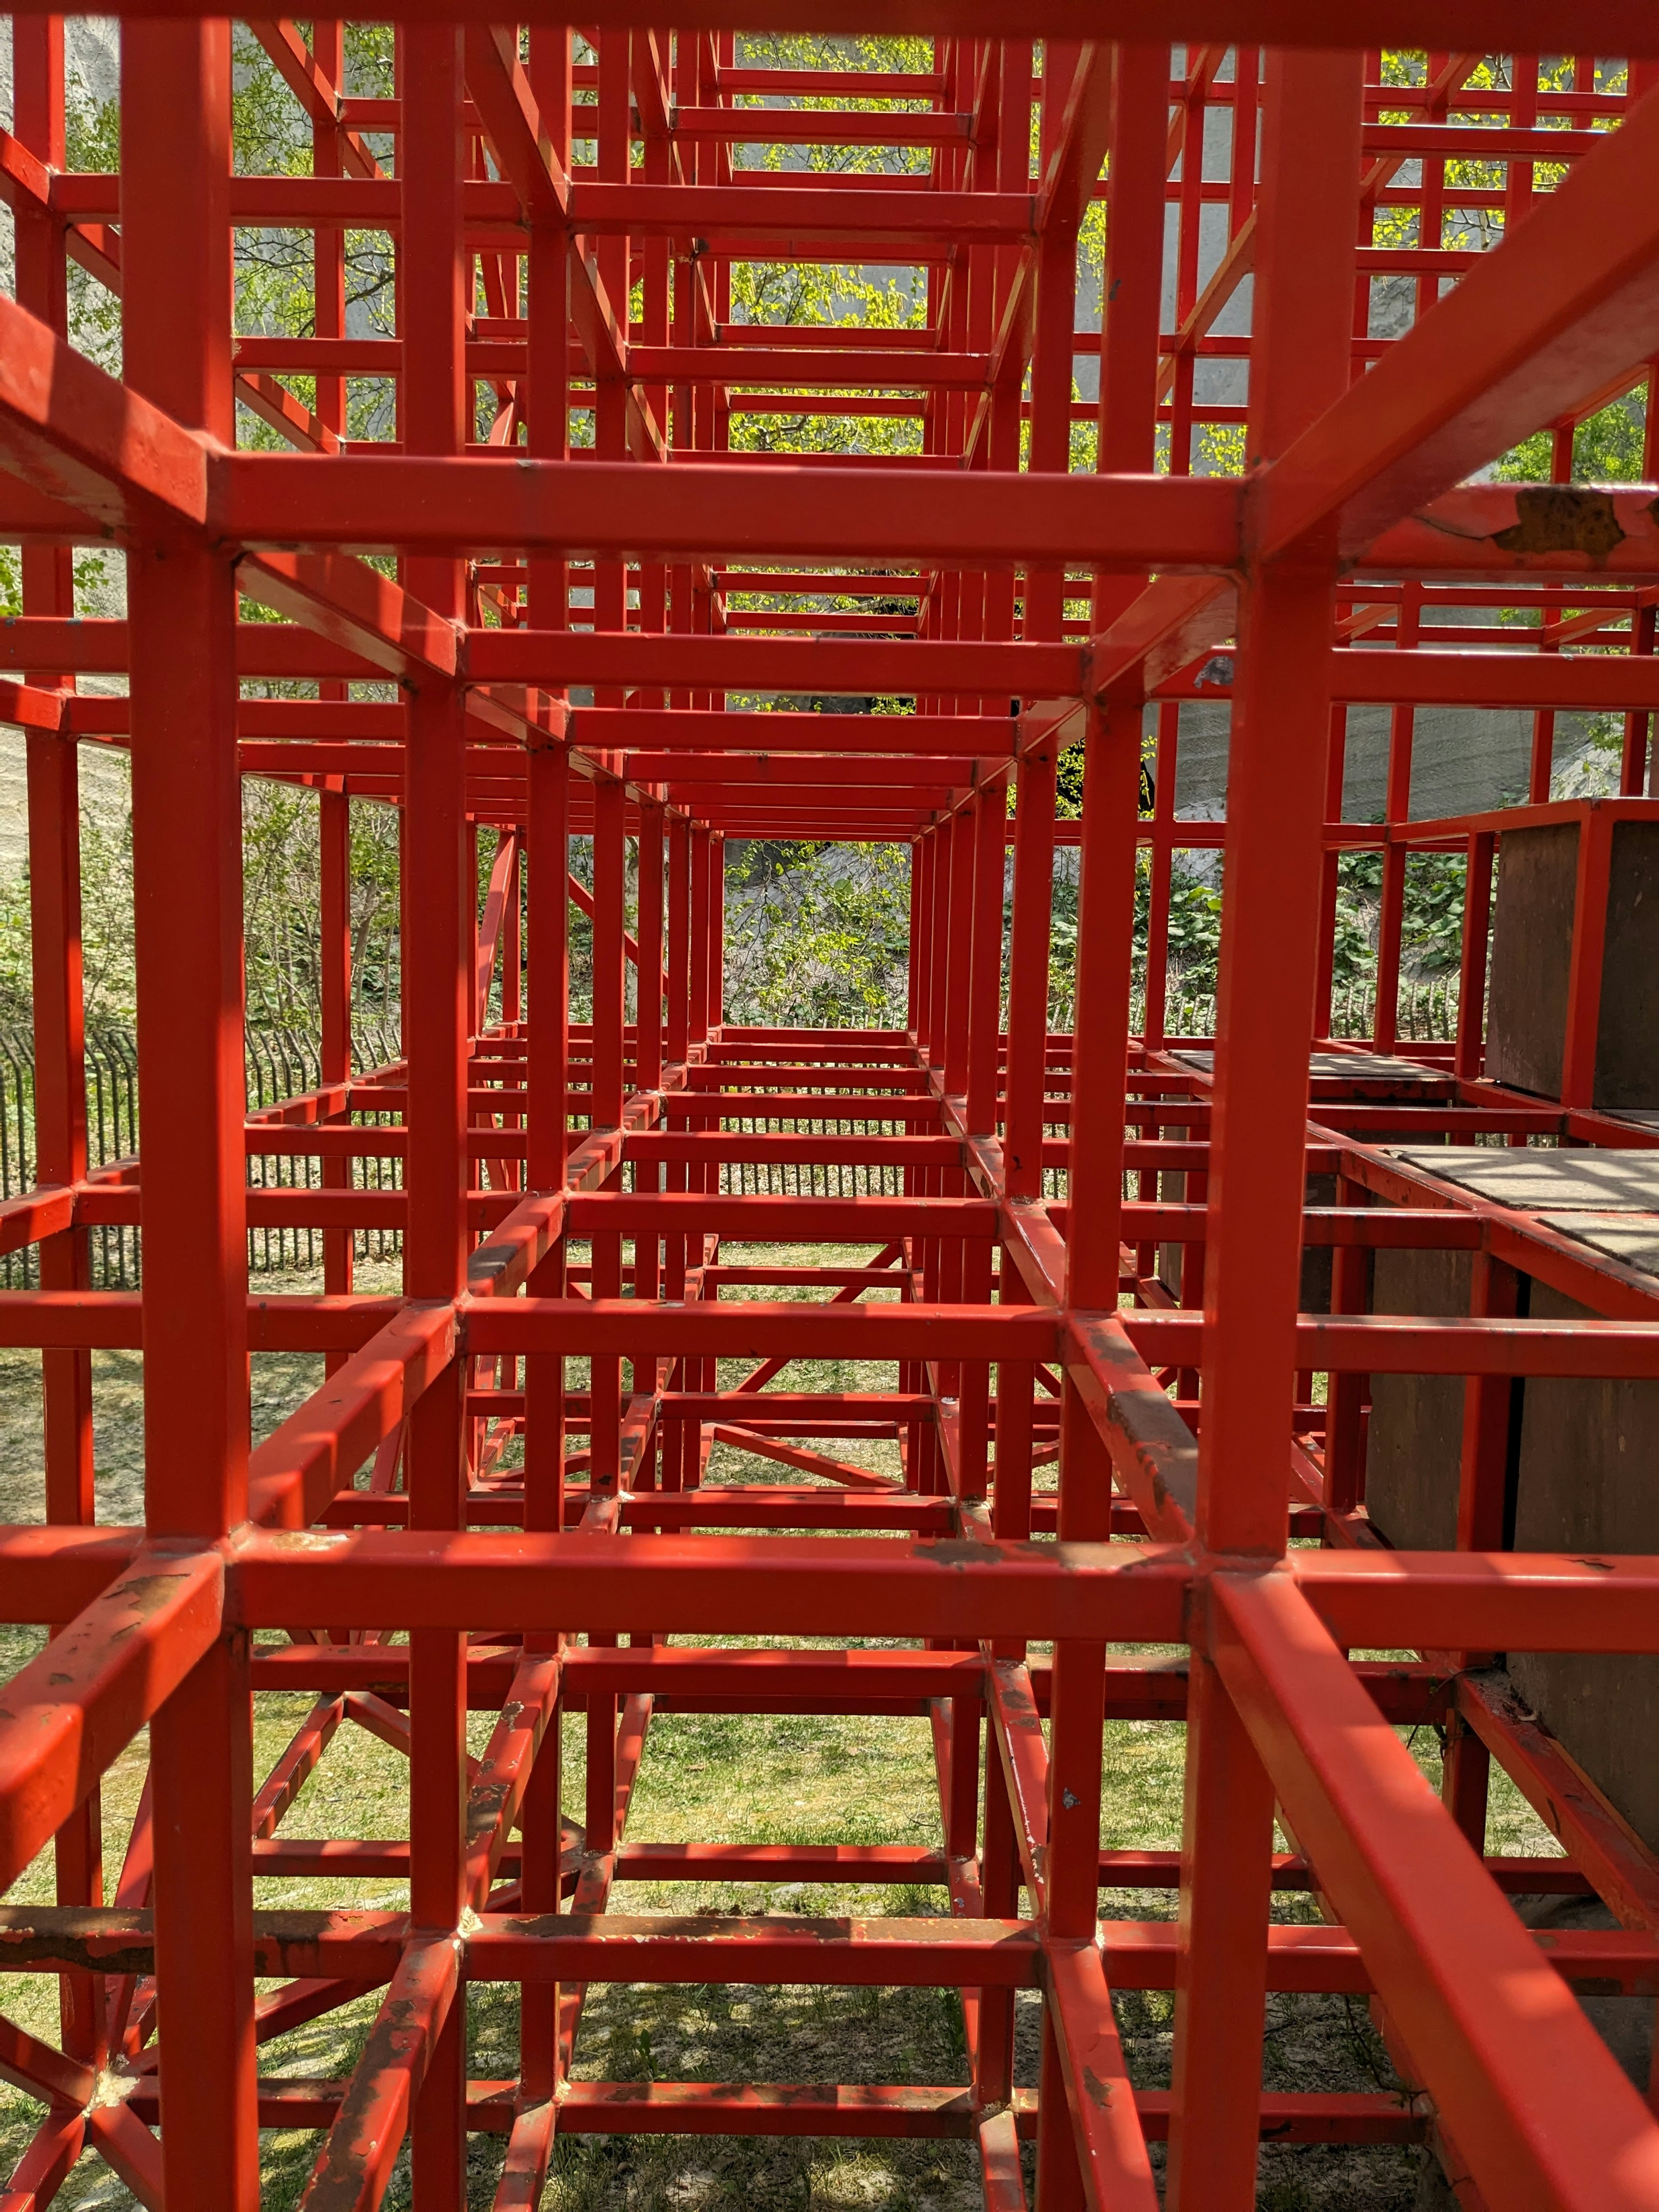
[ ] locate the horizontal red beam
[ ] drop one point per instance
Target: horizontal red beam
(722, 509)
(492, 211)
(113, 1319)
(1388, 1344)
(1138, 1954)
(798, 1329)
(864, 2110)
(807, 1586)
(1368, 1343)
(1610, 27)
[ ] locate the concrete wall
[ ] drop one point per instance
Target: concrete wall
(104, 795)
(1465, 760)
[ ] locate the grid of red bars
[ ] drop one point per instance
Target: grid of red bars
(984, 1161)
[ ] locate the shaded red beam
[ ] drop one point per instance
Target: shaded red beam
(727, 772)
(1526, 678)
(868, 2110)
(1610, 25)
(113, 1319)
(829, 665)
(1155, 1690)
(794, 1327)
(505, 351)
(1138, 1954)
(662, 1670)
(865, 212)
(851, 1586)
(983, 736)
(627, 659)
(1386, 1344)
(723, 509)
(874, 1220)
(833, 1586)
(99, 643)
(751, 126)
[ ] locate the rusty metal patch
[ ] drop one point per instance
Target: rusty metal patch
(1562, 518)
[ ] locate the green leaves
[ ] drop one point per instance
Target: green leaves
(817, 935)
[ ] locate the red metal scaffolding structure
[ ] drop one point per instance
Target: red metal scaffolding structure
(1020, 1311)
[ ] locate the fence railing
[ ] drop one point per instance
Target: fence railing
(280, 1064)
(1427, 1012)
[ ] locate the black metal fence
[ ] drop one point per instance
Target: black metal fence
(280, 1064)
(284, 1063)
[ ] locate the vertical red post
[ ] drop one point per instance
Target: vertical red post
(548, 309)
(1269, 959)
(477, 985)
(984, 960)
(187, 867)
(1099, 1083)
(698, 934)
(549, 768)
(1100, 1045)
(648, 1047)
(984, 1024)
(540, 1827)
(1331, 881)
(60, 1082)
(435, 275)
(328, 244)
(610, 963)
(913, 948)
(716, 931)
(1030, 928)
(334, 836)
(648, 999)
(1397, 808)
(959, 949)
(679, 937)
(54, 829)
(1053, 332)
(1633, 753)
(939, 958)
(1345, 1394)
(512, 941)
(1485, 1522)
(610, 955)
(1100, 1051)
(922, 939)
(1126, 424)
(1073, 1867)
(1159, 880)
